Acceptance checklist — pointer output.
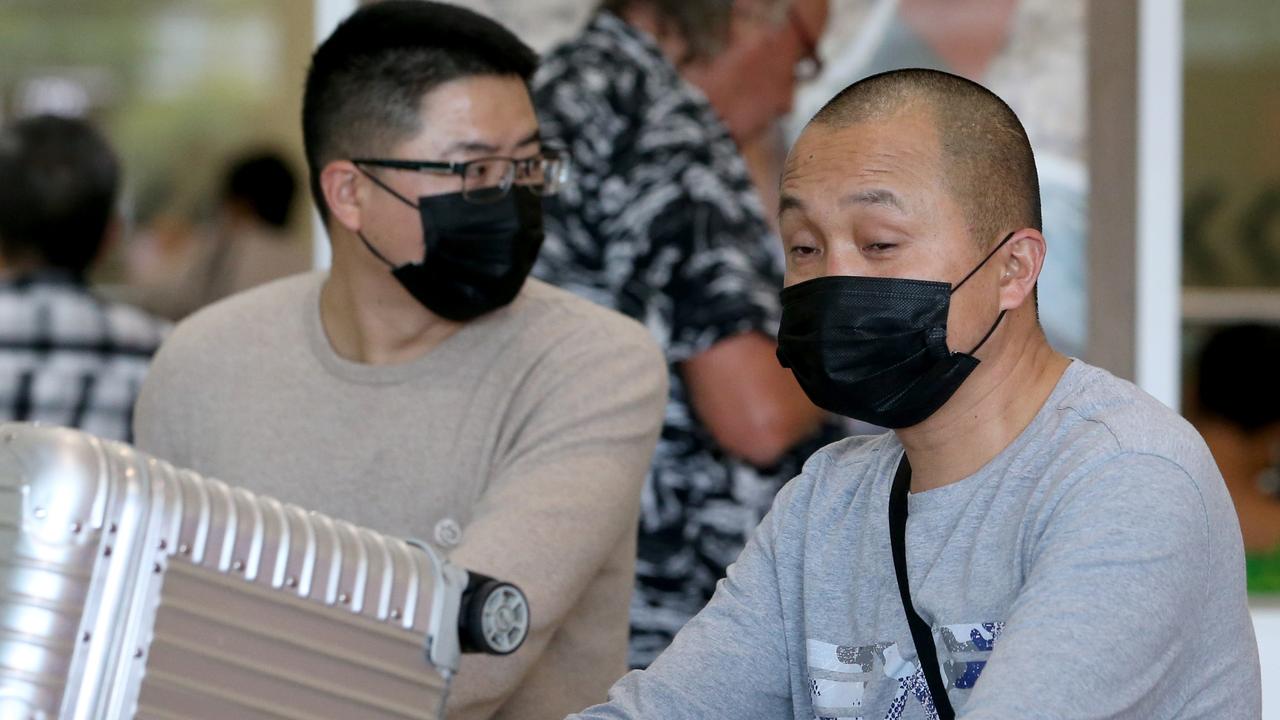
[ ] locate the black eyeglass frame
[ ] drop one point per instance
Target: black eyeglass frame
(459, 168)
(812, 61)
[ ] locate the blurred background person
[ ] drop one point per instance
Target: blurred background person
(1237, 410)
(178, 270)
(653, 100)
(67, 357)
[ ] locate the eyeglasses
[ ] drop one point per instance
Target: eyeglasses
(810, 66)
(488, 180)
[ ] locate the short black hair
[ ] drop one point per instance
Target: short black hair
(264, 183)
(1236, 378)
(368, 78)
(58, 185)
(987, 159)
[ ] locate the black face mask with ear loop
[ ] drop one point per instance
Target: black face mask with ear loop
(476, 257)
(875, 349)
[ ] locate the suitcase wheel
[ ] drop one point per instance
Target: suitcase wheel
(495, 616)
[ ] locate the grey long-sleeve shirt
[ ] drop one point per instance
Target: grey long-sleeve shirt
(1094, 569)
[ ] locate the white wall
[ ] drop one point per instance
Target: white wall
(1159, 214)
(328, 13)
(1266, 622)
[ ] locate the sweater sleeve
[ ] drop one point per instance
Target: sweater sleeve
(158, 428)
(1104, 621)
(566, 493)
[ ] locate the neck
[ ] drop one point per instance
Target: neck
(370, 319)
(986, 414)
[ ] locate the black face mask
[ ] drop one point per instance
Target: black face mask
(875, 349)
(476, 258)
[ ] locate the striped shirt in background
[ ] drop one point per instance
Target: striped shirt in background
(70, 358)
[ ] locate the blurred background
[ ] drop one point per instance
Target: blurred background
(1156, 126)
(185, 89)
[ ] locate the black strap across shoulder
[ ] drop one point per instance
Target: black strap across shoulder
(921, 634)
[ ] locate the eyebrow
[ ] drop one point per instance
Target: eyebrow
(880, 197)
(465, 146)
(789, 202)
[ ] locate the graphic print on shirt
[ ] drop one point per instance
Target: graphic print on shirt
(874, 682)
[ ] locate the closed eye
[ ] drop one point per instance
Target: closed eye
(874, 248)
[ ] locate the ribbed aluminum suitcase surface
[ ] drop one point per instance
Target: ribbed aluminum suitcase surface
(129, 588)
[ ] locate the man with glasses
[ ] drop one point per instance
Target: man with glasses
(422, 387)
(655, 99)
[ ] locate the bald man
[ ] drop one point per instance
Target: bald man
(1034, 539)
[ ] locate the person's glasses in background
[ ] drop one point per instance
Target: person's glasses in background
(810, 66)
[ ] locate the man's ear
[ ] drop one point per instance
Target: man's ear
(342, 192)
(1020, 268)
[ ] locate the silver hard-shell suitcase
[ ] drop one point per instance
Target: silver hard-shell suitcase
(129, 588)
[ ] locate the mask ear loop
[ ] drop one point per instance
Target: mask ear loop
(397, 196)
(990, 255)
(991, 331)
(374, 250)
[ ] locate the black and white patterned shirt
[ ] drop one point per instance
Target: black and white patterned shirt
(70, 358)
(661, 222)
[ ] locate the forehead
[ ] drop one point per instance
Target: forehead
(901, 152)
(490, 110)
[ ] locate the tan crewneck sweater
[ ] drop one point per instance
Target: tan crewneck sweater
(530, 431)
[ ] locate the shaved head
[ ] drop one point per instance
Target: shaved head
(986, 158)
